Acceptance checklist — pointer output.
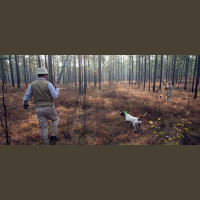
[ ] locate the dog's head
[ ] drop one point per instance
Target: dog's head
(122, 113)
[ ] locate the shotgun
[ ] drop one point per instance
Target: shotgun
(163, 83)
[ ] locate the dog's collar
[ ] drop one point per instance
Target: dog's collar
(125, 113)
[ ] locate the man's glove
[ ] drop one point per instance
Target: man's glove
(26, 106)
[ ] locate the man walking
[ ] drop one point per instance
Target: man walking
(168, 91)
(43, 93)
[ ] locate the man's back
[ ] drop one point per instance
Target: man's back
(41, 93)
(168, 90)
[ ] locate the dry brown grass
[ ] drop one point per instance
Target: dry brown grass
(103, 125)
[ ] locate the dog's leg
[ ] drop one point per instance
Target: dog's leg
(134, 127)
(142, 129)
(140, 124)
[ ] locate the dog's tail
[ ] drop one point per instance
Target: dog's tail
(142, 116)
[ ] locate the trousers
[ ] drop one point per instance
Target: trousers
(44, 114)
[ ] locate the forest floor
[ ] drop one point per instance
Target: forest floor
(94, 119)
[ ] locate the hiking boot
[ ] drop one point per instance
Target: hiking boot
(53, 140)
(45, 142)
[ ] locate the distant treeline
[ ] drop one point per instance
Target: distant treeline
(141, 70)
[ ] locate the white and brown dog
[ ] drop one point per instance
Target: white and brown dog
(135, 121)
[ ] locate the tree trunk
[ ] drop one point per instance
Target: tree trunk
(75, 71)
(167, 70)
(161, 71)
(5, 124)
(186, 72)
(154, 78)
(149, 72)
(17, 72)
(24, 62)
(82, 79)
(129, 70)
(54, 71)
(173, 72)
(46, 66)
(122, 76)
(70, 72)
(141, 70)
(64, 71)
(136, 70)
(197, 79)
(95, 72)
(85, 76)
(194, 74)
(89, 71)
(50, 69)
(118, 69)
(123, 69)
(30, 71)
(145, 66)
(79, 59)
(39, 62)
(132, 62)
(139, 73)
(11, 71)
(99, 72)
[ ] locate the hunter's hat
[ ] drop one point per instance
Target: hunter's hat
(42, 70)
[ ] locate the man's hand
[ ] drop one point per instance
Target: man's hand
(56, 85)
(26, 106)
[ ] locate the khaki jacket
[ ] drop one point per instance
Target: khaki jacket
(168, 90)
